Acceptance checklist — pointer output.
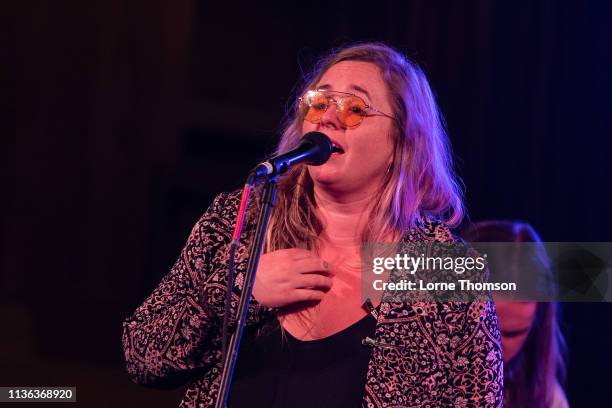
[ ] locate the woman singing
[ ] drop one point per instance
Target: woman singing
(310, 340)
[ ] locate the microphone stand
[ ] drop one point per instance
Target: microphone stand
(229, 359)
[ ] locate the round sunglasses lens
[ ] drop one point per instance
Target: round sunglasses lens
(315, 104)
(352, 110)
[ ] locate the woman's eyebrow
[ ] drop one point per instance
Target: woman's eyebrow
(362, 90)
(357, 88)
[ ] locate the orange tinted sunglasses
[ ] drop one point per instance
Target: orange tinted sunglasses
(350, 108)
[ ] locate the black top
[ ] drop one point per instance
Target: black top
(276, 372)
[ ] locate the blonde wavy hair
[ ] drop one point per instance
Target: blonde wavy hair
(421, 182)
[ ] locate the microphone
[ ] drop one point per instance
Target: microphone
(315, 148)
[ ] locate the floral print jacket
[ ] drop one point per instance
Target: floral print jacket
(425, 354)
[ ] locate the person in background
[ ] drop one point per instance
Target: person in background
(532, 342)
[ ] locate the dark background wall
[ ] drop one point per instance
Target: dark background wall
(130, 116)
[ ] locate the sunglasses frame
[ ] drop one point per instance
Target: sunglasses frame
(338, 103)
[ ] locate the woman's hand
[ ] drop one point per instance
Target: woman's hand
(292, 275)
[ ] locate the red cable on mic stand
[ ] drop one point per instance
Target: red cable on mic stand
(244, 200)
(240, 217)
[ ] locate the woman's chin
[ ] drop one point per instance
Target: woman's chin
(326, 174)
(326, 179)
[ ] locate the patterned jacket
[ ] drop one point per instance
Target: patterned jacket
(425, 355)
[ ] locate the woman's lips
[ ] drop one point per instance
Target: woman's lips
(336, 148)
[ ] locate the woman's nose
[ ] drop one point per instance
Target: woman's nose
(330, 117)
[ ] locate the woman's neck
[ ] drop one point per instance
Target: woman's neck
(344, 218)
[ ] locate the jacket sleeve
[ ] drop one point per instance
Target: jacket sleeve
(469, 333)
(471, 338)
(176, 331)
